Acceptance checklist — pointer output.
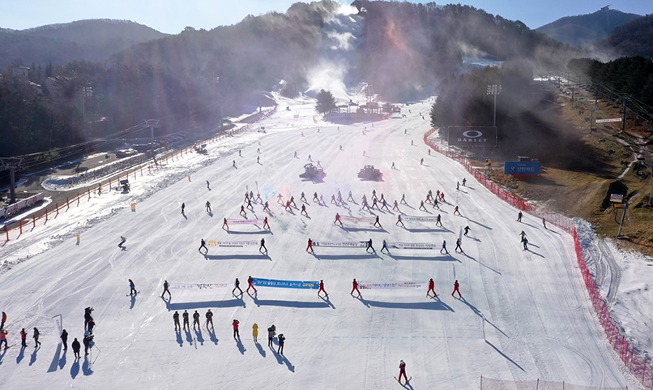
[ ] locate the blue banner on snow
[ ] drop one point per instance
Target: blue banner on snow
(522, 168)
(307, 284)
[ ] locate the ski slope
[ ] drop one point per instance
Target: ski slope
(538, 320)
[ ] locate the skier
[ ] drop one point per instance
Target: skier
(395, 206)
(282, 341)
(456, 288)
(355, 288)
(196, 319)
(438, 220)
(309, 247)
(302, 197)
(377, 223)
(132, 288)
(464, 182)
(242, 211)
(250, 284)
(175, 318)
(456, 211)
(457, 186)
(431, 288)
(36, 337)
(458, 247)
(369, 246)
(322, 289)
(544, 223)
(240, 153)
(444, 248)
(296, 154)
(385, 246)
(333, 199)
(64, 339)
(23, 338)
(166, 289)
(3, 338)
(76, 347)
(87, 316)
(525, 243)
(435, 204)
(234, 324)
(337, 220)
(255, 332)
(466, 229)
(421, 162)
(271, 332)
(266, 207)
(208, 207)
(402, 371)
(522, 234)
(399, 221)
(292, 201)
(122, 241)
(421, 205)
(87, 343)
(262, 248)
(208, 185)
(234, 161)
(266, 225)
(185, 317)
(350, 197)
(393, 165)
(403, 199)
(236, 287)
(519, 215)
(258, 159)
(304, 210)
(183, 207)
(209, 319)
(203, 245)
(249, 204)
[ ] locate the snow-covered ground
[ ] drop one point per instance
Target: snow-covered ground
(525, 314)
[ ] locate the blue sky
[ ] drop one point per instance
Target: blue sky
(171, 16)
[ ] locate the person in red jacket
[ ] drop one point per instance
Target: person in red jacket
(355, 288)
(337, 221)
(235, 326)
(456, 288)
(250, 284)
(322, 289)
(3, 338)
(402, 371)
(225, 224)
(309, 247)
(266, 225)
(431, 288)
(23, 338)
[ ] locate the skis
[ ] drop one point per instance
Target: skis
(133, 295)
(407, 381)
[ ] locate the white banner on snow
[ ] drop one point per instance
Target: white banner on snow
(353, 244)
(244, 221)
(415, 218)
(390, 285)
(231, 244)
(412, 245)
(198, 286)
(357, 219)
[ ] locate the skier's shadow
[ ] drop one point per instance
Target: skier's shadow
(241, 347)
(363, 301)
(281, 359)
(62, 361)
(189, 338)
(32, 359)
(74, 369)
(86, 367)
(212, 335)
(200, 338)
(260, 348)
(21, 355)
(2, 355)
(133, 301)
(328, 301)
(180, 341)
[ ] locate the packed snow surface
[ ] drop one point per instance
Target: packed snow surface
(524, 315)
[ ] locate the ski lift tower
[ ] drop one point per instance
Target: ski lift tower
(12, 164)
(152, 123)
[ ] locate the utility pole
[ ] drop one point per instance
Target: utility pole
(623, 118)
(152, 123)
(12, 164)
(623, 216)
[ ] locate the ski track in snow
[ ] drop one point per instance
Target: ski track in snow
(539, 324)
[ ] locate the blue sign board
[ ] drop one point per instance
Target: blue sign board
(522, 168)
(304, 284)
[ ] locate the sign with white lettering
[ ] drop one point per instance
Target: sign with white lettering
(472, 135)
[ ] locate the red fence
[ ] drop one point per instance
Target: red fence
(41, 217)
(636, 362)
